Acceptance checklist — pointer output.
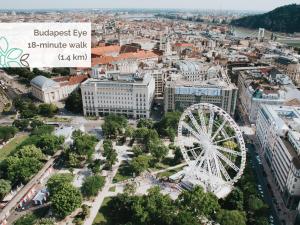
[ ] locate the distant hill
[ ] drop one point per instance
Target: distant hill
(283, 19)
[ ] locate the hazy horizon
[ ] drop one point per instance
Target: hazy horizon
(254, 5)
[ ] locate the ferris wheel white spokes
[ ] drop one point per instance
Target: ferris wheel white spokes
(212, 144)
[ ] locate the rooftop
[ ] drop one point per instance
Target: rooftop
(43, 82)
(121, 78)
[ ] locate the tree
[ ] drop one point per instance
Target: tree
(36, 123)
(50, 143)
(74, 102)
(5, 188)
(58, 180)
(185, 218)
(30, 151)
(158, 150)
(107, 147)
(73, 160)
(20, 170)
(28, 219)
(129, 132)
(130, 188)
(65, 200)
(92, 185)
(95, 166)
(63, 71)
(84, 144)
(168, 125)
(137, 150)
(255, 203)
(139, 164)
(146, 123)
(7, 133)
(111, 158)
(48, 110)
(261, 221)
(85, 210)
(178, 157)
(114, 125)
(45, 221)
(231, 217)
(21, 124)
(44, 129)
(198, 202)
(235, 200)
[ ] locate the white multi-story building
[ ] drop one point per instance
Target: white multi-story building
(278, 133)
(255, 90)
(193, 84)
(126, 94)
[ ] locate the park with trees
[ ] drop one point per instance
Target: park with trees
(150, 144)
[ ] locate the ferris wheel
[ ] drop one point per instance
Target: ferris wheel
(213, 146)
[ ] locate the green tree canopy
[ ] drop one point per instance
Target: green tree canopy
(58, 180)
(231, 217)
(140, 164)
(45, 221)
(84, 144)
(146, 123)
(7, 133)
(92, 185)
(235, 200)
(30, 151)
(5, 188)
(48, 110)
(65, 200)
(21, 124)
(198, 202)
(255, 203)
(50, 143)
(44, 129)
(158, 150)
(74, 102)
(20, 170)
(114, 125)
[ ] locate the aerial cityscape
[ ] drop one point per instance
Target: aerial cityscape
(189, 113)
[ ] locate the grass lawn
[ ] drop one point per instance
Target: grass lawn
(54, 119)
(124, 173)
(12, 145)
(100, 218)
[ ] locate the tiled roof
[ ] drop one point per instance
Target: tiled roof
(130, 55)
(184, 45)
(102, 51)
(70, 80)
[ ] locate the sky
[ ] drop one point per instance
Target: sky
(259, 5)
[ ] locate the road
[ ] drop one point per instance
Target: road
(262, 180)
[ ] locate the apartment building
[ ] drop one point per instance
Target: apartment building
(258, 86)
(278, 133)
(127, 94)
(289, 66)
